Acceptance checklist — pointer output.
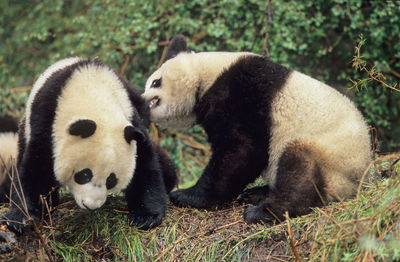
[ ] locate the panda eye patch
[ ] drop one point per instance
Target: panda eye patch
(156, 83)
(83, 177)
(111, 181)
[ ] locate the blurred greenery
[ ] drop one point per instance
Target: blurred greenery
(315, 37)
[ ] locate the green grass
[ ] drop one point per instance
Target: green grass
(365, 228)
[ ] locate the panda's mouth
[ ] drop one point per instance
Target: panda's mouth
(154, 102)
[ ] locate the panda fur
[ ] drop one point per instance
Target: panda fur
(308, 141)
(8, 154)
(86, 128)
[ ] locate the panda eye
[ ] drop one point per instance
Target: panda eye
(111, 181)
(84, 176)
(156, 83)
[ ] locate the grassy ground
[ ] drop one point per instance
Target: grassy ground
(366, 228)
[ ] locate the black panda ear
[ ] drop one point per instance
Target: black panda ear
(83, 128)
(176, 45)
(133, 133)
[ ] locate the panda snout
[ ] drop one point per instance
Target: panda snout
(91, 205)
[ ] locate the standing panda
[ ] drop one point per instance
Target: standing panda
(85, 127)
(8, 154)
(307, 140)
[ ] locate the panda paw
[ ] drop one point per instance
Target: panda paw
(190, 198)
(258, 214)
(144, 221)
(254, 195)
(17, 222)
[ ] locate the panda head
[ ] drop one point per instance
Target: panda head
(171, 90)
(96, 160)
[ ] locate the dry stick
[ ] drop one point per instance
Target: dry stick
(392, 166)
(334, 221)
(319, 193)
(127, 59)
(397, 74)
(24, 208)
(39, 234)
(19, 89)
(25, 211)
(195, 235)
(292, 242)
(133, 47)
(155, 137)
(191, 142)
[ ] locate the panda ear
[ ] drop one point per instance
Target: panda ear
(176, 45)
(133, 133)
(83, 128)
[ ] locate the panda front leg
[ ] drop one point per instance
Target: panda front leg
(233, 164)
(34, 178)
(146, 193)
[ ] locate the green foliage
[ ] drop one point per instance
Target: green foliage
(315, 37)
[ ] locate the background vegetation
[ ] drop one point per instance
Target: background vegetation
(315, 37)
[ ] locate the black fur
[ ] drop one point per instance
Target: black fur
(146, 194)
(132, 133)
(235, 114)
(83, 128)
(177, 45)
(8, 124)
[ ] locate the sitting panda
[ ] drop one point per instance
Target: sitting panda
(86, 128)
(8, 154)
(308, 141)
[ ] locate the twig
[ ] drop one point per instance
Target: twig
(126, 62)
(133, 47)
(19, 89)
(334, 221)
(292, 242)
(396, 74)
(319, 193)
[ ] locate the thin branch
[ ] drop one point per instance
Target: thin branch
(291, 237)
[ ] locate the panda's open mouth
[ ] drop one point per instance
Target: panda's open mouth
(155, 101)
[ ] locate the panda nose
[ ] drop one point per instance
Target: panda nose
(83, 204)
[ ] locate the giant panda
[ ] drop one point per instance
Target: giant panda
(86, 128)
(307, 140)
(8, 154)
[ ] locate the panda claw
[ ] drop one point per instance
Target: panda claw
(144, 222)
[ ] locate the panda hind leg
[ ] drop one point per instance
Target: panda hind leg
(299, 185)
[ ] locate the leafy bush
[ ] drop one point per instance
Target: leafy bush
(315, 37)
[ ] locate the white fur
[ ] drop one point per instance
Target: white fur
(38, 84)
(328, 122)
(181, 77)
(97, 94)
(8, 153)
